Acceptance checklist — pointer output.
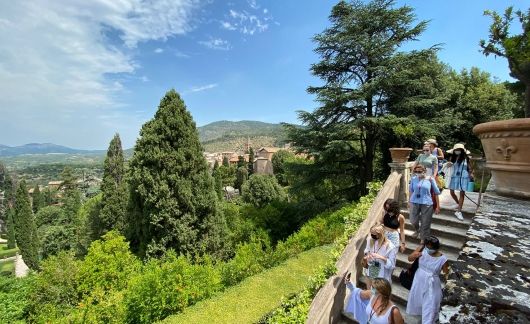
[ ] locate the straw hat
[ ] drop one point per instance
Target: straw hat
(458, 146)
(431, 141)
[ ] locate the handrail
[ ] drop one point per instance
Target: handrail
(329, 301)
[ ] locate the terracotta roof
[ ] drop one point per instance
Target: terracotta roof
(269, 149)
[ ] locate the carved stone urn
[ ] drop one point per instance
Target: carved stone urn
(400, 154)
(506, 144)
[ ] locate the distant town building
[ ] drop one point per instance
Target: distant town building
(55, 185)
(267, 152)
(262, 165)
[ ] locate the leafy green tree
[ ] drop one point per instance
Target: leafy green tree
(250, 161)
(359, 53)
(241, 161)
(10, 224)
(49, 196)
(241, 177)
(226, 162)
(218, 180)
(114, 190)
(261, 189)
(173, 200)
(7, 186)
(38, 199)
(68, 179)
(278, 160)
(515, 48)
(25, 229)
(228, 175)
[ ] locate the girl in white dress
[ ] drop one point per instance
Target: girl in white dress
(379, 254)
(373, 306)
(426, 291)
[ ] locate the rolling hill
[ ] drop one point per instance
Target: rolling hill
(216, 137)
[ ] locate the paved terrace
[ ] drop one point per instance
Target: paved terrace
(490, 281)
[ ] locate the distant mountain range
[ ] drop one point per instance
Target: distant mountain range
(41, 148)
(215, 137)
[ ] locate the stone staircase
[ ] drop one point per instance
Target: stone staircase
(452, 235)
(450, 231)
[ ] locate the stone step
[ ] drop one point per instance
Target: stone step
(443, 232)
(447, 245)
(446, 218)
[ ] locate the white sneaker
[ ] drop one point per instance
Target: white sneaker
(458, 215)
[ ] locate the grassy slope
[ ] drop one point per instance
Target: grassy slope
(257, 295)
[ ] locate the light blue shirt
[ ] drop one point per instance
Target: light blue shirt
(420, 190)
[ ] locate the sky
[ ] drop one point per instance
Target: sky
(75, 72)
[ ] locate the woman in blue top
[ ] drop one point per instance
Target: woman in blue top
(461, 174)
(421, 203)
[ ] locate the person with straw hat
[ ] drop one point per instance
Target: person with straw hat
(461, 175)
(436, 151)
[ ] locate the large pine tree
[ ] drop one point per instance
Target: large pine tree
(25, 229)
(173, 203)
(114, 191)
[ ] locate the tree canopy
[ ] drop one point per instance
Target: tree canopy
(173, 200)
(515, 48)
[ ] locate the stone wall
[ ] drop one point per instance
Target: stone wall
(490, 281)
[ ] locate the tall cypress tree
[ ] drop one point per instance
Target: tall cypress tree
(250, 161)
(11, 241)
(25, 229)
(38, 199)
(173, 204)
(114, 191)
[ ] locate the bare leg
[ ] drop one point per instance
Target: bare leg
(461, 200)
(455, 198)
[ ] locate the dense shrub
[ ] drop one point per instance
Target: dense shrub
(167, 286)
(14, 298)
(54, 292)
(250, 258)
(262, 189)
(296, 308)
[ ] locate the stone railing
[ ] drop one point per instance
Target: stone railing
(329, 301)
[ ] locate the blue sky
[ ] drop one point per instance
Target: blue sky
(74, 72)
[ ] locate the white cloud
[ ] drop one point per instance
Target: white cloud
(246, 22)
(203, 88)
(227, 25)
(158, 50)
(253, 4)
(66, 57)
(217, 44)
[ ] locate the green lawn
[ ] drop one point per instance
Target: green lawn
(7, 268)
(257, 295)
(5, 252)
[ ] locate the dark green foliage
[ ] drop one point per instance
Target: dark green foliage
(54, 293)
(227, 175)
(114, 190)
(25, 229)
(359, 53)
(278, 165)
(10, 224)
(14, 298)
(241, 162)
(37, 199)
(167, 286)
(7, 186)
(250, 161)
(173, 199)
(50, 197)
(261, 190)
(55, 232)
(241, 177)
(218, 180)
(68, 179)
(226, 162)
(515, 48)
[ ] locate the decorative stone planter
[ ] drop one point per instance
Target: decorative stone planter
(400, 154)
(506, 144)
